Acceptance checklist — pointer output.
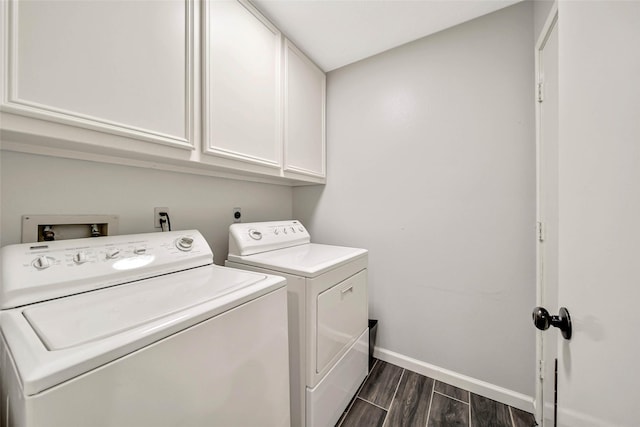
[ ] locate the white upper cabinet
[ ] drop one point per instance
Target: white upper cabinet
(116, 81)
(304, 116)
(118, 67)
(241, 85)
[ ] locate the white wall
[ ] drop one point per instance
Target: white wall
(32, 184)
(541, 10)
(431, 166)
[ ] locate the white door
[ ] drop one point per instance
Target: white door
(547, 162)
(599, 212)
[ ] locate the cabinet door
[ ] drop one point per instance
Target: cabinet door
(121, 67)
(241, 54)
(304, 117)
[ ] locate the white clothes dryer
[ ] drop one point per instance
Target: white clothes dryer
(139, 330)
(328, 313)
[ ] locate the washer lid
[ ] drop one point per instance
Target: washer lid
(91, 316)
(54, 341)
(309, 260)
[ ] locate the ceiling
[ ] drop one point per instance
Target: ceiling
(334, 33)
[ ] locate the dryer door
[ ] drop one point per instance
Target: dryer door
(341, 318)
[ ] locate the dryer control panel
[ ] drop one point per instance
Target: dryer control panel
(33, 272)
(256, 237)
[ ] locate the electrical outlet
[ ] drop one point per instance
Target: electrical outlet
(237, 215)
(156, 216)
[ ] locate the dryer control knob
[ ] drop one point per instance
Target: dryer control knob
(184, 243)
(255, 234)
(41, 262)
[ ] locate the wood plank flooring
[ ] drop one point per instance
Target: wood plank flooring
(395, 397)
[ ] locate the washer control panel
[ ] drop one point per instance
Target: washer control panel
(38, 271)
(255, 237)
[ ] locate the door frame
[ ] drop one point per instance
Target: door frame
(551, 21)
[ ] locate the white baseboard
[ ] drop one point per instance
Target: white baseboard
(492, 391)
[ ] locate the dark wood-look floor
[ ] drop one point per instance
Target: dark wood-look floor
(395, 397)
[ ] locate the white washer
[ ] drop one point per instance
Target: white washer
(139, 330)
(328, 313)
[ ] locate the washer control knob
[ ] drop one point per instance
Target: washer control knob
(301, 228)
(293, 229)
(113, 253)
(139, 251)
(80, 258)
(255, 234)
(184, 243)
(41, 262)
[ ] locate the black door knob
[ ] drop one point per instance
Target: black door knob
(542, 319)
